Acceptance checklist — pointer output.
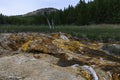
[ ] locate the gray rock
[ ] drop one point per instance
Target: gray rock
(113, 49)
(25, 67)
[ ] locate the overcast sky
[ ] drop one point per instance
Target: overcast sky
(17, 7)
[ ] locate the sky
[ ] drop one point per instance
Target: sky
(18, 7)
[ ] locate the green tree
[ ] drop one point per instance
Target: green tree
(82, 13)
(1, 19)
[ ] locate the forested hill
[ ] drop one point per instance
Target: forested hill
(93, 12)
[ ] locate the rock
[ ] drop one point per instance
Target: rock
(49, 43)
(29, 67)
(113, 49)
(46, 43)
(23, 67)
(64, 37)
(91, 71)
(40, 56)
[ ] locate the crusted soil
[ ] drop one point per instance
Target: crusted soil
(56, 56)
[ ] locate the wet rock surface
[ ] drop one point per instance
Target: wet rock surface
(56, 56)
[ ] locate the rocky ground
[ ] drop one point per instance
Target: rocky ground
(56, 56)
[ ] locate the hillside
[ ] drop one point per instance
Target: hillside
(41, 11)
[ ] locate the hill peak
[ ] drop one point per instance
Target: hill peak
(41, 11)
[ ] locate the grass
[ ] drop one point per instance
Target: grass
(104, 33)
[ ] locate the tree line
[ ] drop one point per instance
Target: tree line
(93, 12)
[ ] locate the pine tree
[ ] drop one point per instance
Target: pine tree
(82, 14)
(1, 19)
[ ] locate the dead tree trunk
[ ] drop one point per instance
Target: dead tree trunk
(53, 25)
(49, 23)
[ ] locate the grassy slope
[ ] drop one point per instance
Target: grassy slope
(102, 32)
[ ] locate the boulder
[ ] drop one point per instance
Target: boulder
(26, 67)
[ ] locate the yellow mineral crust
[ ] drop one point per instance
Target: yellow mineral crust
(48, 42)
(86, 75)
(26, 45)
(95, 46)
(68, 45)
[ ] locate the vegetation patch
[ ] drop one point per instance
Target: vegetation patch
(103, 33)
